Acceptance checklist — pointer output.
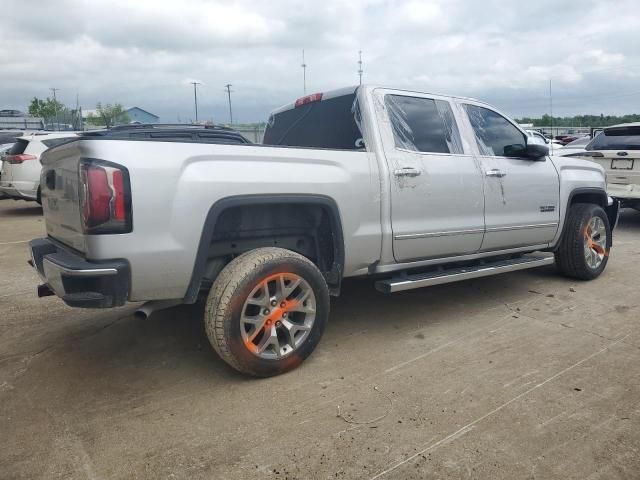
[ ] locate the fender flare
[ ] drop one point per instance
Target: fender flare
(217, 208)
(612, 210)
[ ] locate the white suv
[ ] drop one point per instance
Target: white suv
(20, 178)
(617, 149)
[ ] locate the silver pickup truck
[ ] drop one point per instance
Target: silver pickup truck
(409, 188)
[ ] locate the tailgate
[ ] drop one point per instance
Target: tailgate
(620, 163)
(59, 186)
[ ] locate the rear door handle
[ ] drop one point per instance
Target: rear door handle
(407, 172)
(494, 172)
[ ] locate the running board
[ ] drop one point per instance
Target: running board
(409, 281)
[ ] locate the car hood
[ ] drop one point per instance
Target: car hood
(575, 163)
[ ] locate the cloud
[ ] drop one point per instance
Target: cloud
(145, 52)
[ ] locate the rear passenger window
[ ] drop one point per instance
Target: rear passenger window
(495, 135)
(423, 124)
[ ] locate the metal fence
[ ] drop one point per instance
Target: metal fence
(557, 131)
(22, 123)
(255, 134)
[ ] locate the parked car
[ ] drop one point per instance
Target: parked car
(539, 138)
(10, 136)
(59, 127)
(411, 189)
(576, 146)
(4, 149)
(20, 176)
(12, 113)
(617, 149)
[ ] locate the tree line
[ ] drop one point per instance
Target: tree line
(580, 120)
(52, 110)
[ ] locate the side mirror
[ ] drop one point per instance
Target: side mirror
(536, 151)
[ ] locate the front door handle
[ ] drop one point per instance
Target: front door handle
(407, 172)
(494, 172)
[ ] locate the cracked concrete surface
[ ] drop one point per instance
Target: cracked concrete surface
(525, 375)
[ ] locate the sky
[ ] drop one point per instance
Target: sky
(145, 53)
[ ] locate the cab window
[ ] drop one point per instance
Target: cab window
(423, 124)
(495, 135)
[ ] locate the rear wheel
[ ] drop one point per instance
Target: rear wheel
(266, 311)
(584, 249)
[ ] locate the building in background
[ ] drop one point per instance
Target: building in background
(138, 115)
(135, 114)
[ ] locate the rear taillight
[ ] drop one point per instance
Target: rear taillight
(17, 159)
(105, 199)
(589, 154)
(314, 97)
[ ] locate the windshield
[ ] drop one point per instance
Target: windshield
(581, 142)
(617, 139)
(19, 147)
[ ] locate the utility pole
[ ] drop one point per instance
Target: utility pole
(360, 65)
(228, 87)
(195, 96)
(55, 106)
(304, 74)
(551, 107)
(78, 120)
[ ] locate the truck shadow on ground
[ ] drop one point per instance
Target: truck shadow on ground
(629, 220)
(171, 345)
(19, 209)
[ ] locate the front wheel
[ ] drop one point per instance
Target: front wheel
(584, 248)
(266, 311)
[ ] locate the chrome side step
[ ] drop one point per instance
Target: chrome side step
(418, 280)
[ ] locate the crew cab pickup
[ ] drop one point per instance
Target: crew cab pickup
(409, 188)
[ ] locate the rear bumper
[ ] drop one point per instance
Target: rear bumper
(24, 190)
(623, 186)
(78, 282)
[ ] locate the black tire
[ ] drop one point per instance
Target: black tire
(39, 197)
(231, 290)
(570, 256)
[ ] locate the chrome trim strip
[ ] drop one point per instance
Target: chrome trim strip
(409, 236)
(522, 227)
(390, 286)
(79, 273)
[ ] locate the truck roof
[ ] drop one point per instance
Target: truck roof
(329, 94)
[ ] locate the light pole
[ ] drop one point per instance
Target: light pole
(228, 87)
(55, 106)
(360, 65)
(195, 96)
(304, 74)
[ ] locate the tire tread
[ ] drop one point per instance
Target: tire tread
(570, 254)
(220, 297)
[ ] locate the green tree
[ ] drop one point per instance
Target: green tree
(47, 109)
(109, 115)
